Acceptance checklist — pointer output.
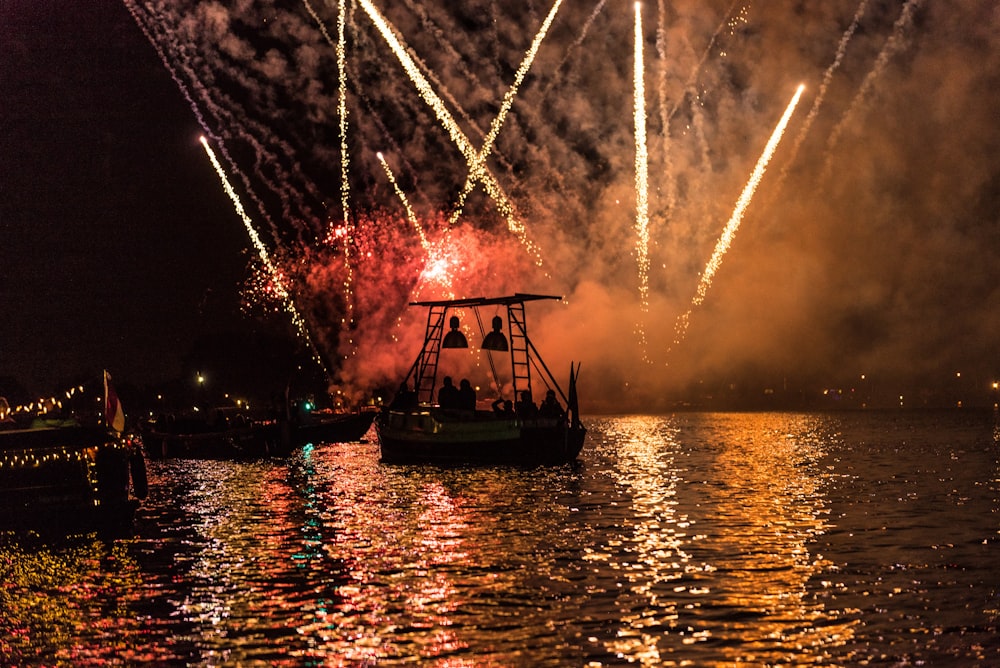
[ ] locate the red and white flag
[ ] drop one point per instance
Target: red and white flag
(113, 413)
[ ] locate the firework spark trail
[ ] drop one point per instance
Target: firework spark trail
(136, 16)
(180, 64)
(345, 186)
(297, 319)
(406, 204)
(454, 57)
(737, 216)
(275, 164)
(893, 45)
(441, 90)
(222, 117)
(661, 52)
(454, 132)
(641, 179)
(339, 47)
(574, 47)
(433, 29)
(479, 163)
(827, 77)
(343, 83)
(689, 85)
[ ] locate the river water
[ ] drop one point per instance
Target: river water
(690, 539)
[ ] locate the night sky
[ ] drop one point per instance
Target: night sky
(870, 247)
(116, 249)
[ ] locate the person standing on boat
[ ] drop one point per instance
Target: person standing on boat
(466, 395)
(448, 394)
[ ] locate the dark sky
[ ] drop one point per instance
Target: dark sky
(871, 247)
(116, 249)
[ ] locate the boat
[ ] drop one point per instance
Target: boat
(217, 434)
(230, 434)
(417, 428)
(331, 427)
(64, 468)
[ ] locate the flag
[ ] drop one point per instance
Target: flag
(113, 413)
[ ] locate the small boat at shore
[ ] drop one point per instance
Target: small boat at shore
(61, 467)
(420, 427)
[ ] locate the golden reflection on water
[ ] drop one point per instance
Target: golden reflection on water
(715, 548)
(52, 595)
(650, 552)
(678, 540)
(768, 484)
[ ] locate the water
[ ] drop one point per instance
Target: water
(699, 539)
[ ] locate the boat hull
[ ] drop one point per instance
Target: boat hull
(255, 440)
(433, 436)
(335, 428)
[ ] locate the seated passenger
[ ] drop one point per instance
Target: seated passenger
(404, 398)
(550, 407)
(448, 394)
(503, 408)
(526, 408)
(466, 395)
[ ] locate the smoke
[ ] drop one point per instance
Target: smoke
(874, 252)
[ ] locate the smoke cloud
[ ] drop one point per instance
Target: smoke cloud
(874, 252)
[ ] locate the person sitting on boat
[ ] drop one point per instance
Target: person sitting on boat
(526, 408)
(550, 407)
(448, 394)
(466, 395)
(503, 408)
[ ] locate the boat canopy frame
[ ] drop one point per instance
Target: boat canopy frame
(424, 370)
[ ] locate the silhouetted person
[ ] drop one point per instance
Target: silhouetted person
(550, 407)
(448, 394)
(466, 395)
(526, 408)
(503, 408)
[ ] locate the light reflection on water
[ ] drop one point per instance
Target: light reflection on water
(688, 539)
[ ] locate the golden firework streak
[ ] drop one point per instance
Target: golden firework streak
(265, 257)
(483, 175)
(641, 178)
(734, 221)
(477, 167)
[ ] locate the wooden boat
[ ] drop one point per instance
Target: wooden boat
(67, 468)
(417, 429)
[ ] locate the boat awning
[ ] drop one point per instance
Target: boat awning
(516, 298)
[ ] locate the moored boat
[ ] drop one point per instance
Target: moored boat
(218, 434)
(332, 427)
(221, 435)
(420, 427)
(70, 469)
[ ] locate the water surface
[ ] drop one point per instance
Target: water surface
(689, 539)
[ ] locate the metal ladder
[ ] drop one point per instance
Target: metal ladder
(520, 361)
(425, 369)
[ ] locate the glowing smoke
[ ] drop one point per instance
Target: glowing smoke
(436, 87)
